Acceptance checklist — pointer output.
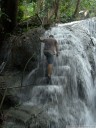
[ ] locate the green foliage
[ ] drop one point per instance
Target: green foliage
(20, 13)
(30, 9)
(0, 13)
(25, 10)
(67, 10)
(89, 5)
(5, 16)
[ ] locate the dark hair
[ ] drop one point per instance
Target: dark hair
(51, 36)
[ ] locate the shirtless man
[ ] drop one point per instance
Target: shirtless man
(50, 49)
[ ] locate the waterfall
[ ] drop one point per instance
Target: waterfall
(71, 98)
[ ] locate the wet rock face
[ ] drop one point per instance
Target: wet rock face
(14, 54)
(27, 116)
(26, 46)
(18, 49)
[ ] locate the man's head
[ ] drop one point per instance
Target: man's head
(51, 36)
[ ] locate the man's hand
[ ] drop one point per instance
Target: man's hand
(42, 38)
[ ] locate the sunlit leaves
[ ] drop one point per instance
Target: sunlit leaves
(66, 7)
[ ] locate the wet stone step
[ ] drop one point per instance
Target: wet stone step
(60, 61)
(55, 80)
(58, 75)
(61, 70)
(32, 110)
(47, 94)
(18, 115)
(26, 116)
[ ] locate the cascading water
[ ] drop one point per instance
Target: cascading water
(71, 98)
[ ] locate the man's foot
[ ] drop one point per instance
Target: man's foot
(49, 80)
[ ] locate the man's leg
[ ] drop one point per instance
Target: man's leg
(49, 58)
(50, 69)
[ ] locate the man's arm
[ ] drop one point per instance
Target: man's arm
(42, 38)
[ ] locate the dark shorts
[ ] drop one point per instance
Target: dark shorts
(49, 57)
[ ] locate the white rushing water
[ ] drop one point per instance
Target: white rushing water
(71, 99)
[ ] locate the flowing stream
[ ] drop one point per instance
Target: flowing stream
(71, 98)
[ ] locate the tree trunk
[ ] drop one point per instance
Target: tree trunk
(53, 11)
(9, 8)
(39, 6)
(76, 9)
(56, 8)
